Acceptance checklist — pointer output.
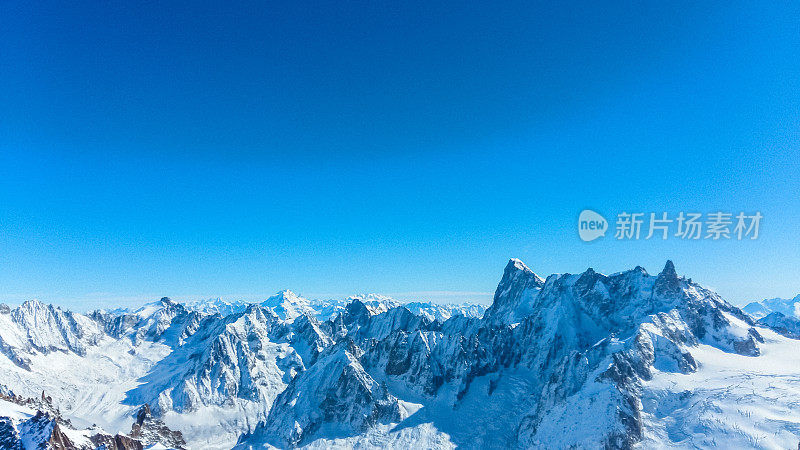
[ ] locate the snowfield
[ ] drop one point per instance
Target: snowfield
(732, 401)
(628, 360)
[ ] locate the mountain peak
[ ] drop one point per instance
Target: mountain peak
(286, 294)
(288, 305)
(166, 301)
(669, 269)
(668, 280)
(517, 264)
(33, 304)
(516, 268)
(667, 283)
(515, 294)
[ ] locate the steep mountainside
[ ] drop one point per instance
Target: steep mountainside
(571, 361)
(628, 360)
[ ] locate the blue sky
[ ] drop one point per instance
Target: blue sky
(196, 149)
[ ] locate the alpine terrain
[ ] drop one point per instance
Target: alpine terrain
(628, 360)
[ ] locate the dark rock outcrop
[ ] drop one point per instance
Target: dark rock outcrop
(150, 430)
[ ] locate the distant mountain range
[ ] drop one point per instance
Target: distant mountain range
(288, 305)
(629, 360)
(782, 315)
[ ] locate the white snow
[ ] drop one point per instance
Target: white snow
(732, 401)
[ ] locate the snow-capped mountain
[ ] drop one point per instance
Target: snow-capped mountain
(36, 328)
(515, 295)
(580, 361)
(217, 306)
(782, 315)
(442, 312)
(288, 305)
(763, 308)
(571, 361)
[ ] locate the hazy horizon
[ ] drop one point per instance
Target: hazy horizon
(94, 301)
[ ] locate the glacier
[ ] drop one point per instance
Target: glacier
(587, 360)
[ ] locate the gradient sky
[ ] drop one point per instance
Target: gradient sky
(199, 149)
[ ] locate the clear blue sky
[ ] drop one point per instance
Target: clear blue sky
(198, 149)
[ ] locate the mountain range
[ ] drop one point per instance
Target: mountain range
(627, 360)
(780, 314)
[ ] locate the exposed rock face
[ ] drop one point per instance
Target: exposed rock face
(40, 431)
(116, 442)
(34, 327)
(43, 431)
(335, 391)
(43, 403)
(44, 428)
(149, 431)
(165, 321)
(572, 352)
(49, 328)
(569, 333)
(247, 356)
(9, 437)
(515, 295)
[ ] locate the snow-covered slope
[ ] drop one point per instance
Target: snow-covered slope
(224, 378)
(788, 326)
(628, 360)
(334, 397)
(34, 328)
(574, 361)
(442, 312)
(23, 427)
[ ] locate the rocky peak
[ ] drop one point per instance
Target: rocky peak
(335, 392)
(49, 328)
(587, 280)
(514, 297)
(669, 270)
(30, 308)
(117, 442)
(375, 303)
(150, 430)
(43, 431)
(258, 312)
(514, 268)
(143, 414)
(356, 308)
(667, 282)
